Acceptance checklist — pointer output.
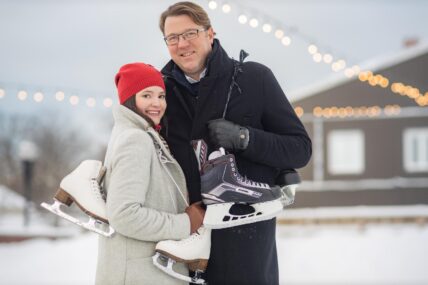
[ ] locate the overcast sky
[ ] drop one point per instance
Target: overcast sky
(78, 46)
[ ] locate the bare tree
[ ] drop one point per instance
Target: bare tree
(62, 145)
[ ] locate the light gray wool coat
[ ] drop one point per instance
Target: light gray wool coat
(146, 199)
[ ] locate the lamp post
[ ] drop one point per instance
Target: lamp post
(28, 154)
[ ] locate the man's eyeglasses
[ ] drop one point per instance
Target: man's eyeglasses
(187, 35)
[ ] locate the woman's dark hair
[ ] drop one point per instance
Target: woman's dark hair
(132, 105)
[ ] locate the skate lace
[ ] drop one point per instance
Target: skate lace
(190, 239)
(244, 180)
(100, 193)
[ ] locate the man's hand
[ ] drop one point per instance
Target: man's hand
(196, 215)
(226, 134)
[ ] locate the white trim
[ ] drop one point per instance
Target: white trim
(420, 135)
(364, 184)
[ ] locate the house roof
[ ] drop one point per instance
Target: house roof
(9, 199)
(374, 65)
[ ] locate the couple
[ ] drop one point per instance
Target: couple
(150, 184)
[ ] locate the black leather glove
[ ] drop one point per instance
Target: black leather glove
(226, 134)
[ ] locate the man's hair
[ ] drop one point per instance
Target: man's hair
(194, 11)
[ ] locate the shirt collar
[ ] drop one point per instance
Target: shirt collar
(192, 81)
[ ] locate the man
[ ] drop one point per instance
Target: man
(241, 107)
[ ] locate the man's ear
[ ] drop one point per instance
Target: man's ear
(211, 34)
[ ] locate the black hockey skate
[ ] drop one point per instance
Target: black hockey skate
(222, 187)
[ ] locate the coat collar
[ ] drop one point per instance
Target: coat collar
(123, 115)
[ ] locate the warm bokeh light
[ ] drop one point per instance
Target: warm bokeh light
(212, 5)
(299, 111)
(2, 93)
(312, 49)
(279, 33)
(22, 95)
(107, 102)
(74, 100)
(242, 19)
(328, 58)
(317, 57)
(286, 41)
(254, 23)
(91, 102)
(59, 96)
(267, 28)
(38, 97)
(226, 8)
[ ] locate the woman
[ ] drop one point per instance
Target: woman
(146, 190)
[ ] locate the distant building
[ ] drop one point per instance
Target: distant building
(369, 134)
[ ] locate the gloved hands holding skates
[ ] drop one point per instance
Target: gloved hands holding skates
(229, 135)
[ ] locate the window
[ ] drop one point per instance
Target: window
(415, 149)
(345, 152)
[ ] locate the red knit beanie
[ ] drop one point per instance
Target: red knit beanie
(134, 77)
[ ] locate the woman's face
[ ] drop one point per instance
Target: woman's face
(151, 102)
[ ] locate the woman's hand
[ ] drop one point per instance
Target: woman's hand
(196, 215)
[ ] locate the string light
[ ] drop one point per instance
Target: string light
(212, 5)
(286, 41)
(299, 111)
(348, 111)
(107, 102)
(279, 33)
(312, 49)
(22, 95)
(254, 23)
(59, 96)
(38, 97)
(317, 57)
(267, 28)
(91, 102)
(74, 100)
(242, 19)
(226, 8)
(327, 58)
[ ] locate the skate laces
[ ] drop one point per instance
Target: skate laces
(244, 180)
(100, 193)
(196, 235)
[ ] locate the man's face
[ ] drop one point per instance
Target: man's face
(189, 55)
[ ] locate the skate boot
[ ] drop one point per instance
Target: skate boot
(222, 187)
(193, 251)
(82, 186)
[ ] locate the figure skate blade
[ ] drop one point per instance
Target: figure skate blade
(170, 271)
(91, 224)
(218, 216)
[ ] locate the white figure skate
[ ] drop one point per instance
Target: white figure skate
(193, 251)
(82, 186)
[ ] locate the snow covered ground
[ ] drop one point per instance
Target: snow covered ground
(343, 254)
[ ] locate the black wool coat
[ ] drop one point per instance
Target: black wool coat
(244, 254)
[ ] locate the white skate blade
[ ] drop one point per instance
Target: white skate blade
(168, 270)
(217, 216)
(89, 225)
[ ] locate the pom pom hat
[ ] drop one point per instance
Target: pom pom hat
(134, 77)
